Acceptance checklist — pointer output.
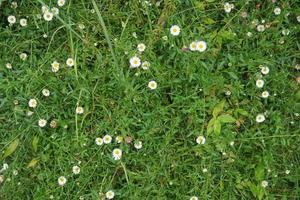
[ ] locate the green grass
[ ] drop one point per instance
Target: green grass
(116, 101)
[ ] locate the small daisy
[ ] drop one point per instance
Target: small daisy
(45, 9)
(165, 38)
(152, 85)
(265, 70)
(204, 170)
(138, 145)
(8, 66)
(201, 46)
(42, 123)
(48, 16)
(264, 183)
(145, 65)
(231, 143)
(62, 181)
(119, 139)
(14, 4)
(141, 47)
(193, 46)
(76, 170)
(15, 172)
(23, 22)
(107, 139)
(285, 32)
(135, 62)
(79, 110)
(260, 28)
(201, 140)
(99, 141)
(23, 56)
(117, 154)
(61, 3)
(265, 94)
(277, 11)
(32, 103)
(55, 66)
(175, 30)
(194, 198)
(70, 62)
(11, 19)
(110, 194)
(46, 92)
(260, 83)
(249, 34)
(228, 7)
(55, 11)
(260, 118)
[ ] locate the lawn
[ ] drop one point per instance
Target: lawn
(152, 100)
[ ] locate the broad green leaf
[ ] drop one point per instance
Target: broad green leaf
(11, 148)
(226, 119)
(209, 21)
(217, 127)
(259, 172)
(210, 126)
(218, 108)
(242, 112)
(32, 163)
(35, 143)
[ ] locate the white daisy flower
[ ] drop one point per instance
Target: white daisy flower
(260, 83)
(14, 4)
(8, 66)
(61, 3)
(260, 28)
(138, 145)
(48, 16)
(117, 154)
(228, 7)
(265, 94)
(277, 11)
(99, 141)
(23, 56)
(76, 170)
(152, 85)
(110, 194)
(32, 103)
(201, 46)
(175, 30)
(79, 110)
(165, 38)
(55, 11)
(119, 139)
(145, 65)
(193, 46)
(231, 143)
(107, 139)
(42, 123)
(45, 9)
(264, 183)
(55, 66)
(204, 170)
(62, 181)
(260, 118)
(15, 172)
(141, 47)
(194, 198)
(135, 62)
(249, 34)
(70, 62)
(46, 92)
(11, 19)
(265, 70)
(285, 32)
(200, 140)
(23, 22)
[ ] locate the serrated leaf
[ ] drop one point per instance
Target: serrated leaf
(35, 143)
(217, 127)
(11, 148)
(226, 119)
(218, 108)
(32, 163)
